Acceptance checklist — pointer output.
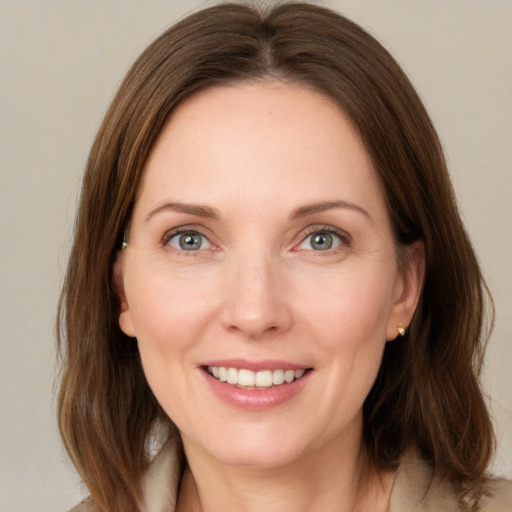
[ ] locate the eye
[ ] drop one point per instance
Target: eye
(188, 241)
(322, 240)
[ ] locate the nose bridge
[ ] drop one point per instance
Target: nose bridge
(254, 303)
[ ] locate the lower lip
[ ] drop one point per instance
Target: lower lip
(256, 399)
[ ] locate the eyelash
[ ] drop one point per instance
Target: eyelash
(345, 238)
(169, 235)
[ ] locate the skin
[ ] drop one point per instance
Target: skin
(256, 154)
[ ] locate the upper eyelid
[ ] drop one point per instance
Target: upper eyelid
(324, 228)
(345, 238)
(185, 228)
(179, 232)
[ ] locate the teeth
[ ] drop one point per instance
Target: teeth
(264, 379)
(246, 378)
(258, 380)
(232, 376)
(277, 377)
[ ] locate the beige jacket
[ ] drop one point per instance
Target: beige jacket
(409, 493)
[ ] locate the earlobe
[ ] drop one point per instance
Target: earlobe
(125, 316)
(409, 290)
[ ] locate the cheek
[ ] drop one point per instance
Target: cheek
(166, 308)
(348, 306)
(170, 316)
(349, 325)
(347, 318)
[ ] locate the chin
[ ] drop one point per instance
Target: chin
(266, 457)
(253, 447)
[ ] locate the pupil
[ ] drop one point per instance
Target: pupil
(322, 242)
(189, 242)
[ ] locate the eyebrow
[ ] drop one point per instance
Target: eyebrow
(192, 209)
(212, 213)
(311, 209)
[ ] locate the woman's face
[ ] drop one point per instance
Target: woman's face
(260, 251)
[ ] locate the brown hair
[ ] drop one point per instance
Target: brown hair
(427, 393)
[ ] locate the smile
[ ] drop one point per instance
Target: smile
(247, 379)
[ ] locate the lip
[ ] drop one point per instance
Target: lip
(255, 399)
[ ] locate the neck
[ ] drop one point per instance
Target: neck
(326, 479)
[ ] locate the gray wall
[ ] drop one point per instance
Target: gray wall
(60, 62)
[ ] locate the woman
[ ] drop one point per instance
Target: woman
(270, 275)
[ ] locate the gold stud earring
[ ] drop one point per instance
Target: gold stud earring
(401, 329)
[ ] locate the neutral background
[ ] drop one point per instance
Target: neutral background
(60, 63)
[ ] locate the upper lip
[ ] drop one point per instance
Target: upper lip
(255, 366)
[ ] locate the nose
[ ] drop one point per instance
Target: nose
(255, 303)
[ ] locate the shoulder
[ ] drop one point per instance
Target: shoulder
(415, 490)
(85, 506)
(497, 496)
(160, 482)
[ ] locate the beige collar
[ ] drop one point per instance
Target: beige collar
(161, 481)
(411, 492)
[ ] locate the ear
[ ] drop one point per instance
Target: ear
(125, 316)
(408, 289)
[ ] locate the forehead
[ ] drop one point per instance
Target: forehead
(259, 141)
